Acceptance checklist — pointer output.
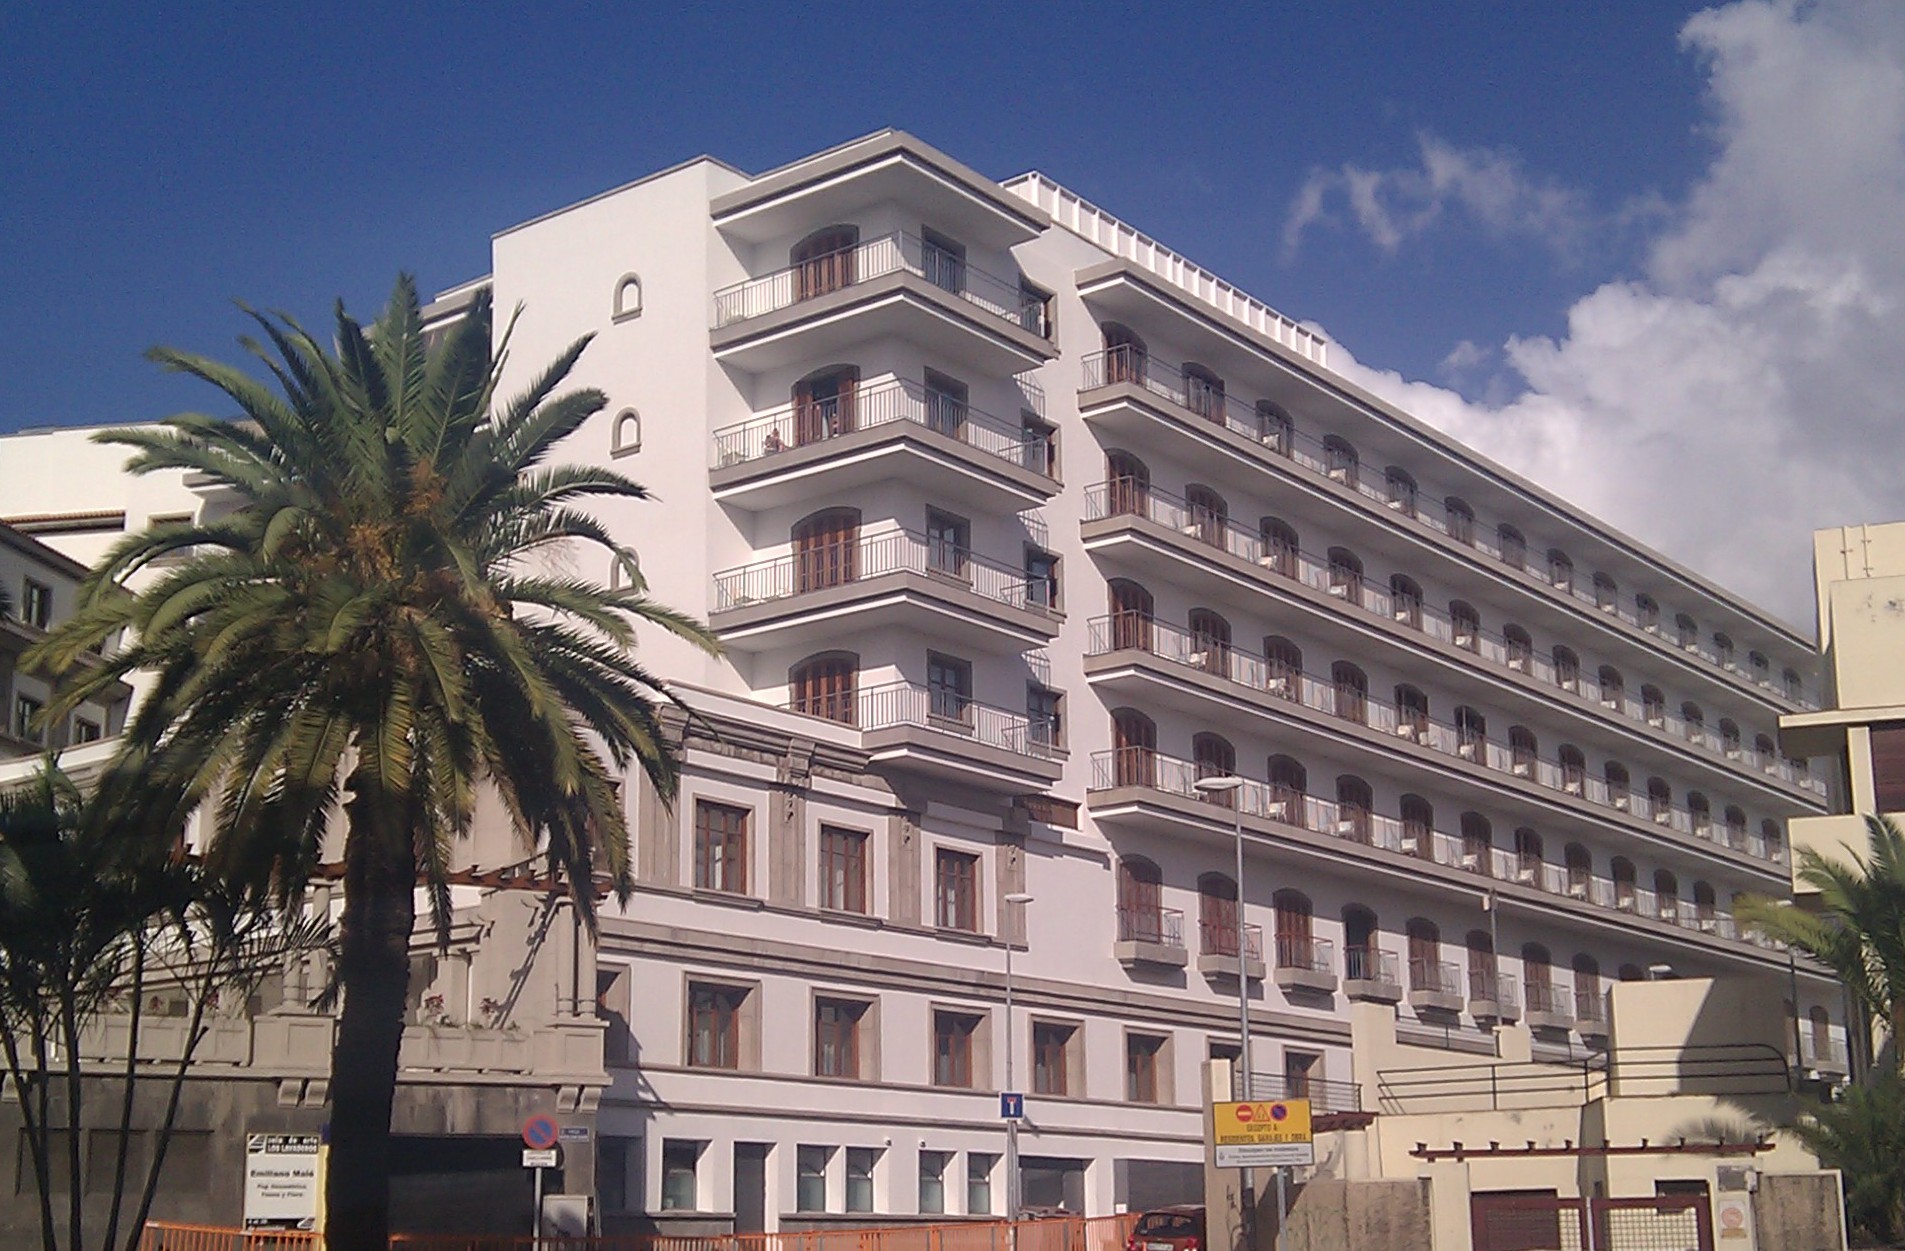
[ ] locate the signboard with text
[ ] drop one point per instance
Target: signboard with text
(281, 1181)
(1262, 1133)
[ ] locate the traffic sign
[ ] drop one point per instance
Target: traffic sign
(548, 1158)
(540, 1132)
(1012, 1105)
(1262, 1133)
(576, 1133)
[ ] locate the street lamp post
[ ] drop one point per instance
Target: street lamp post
(1017, 899)
(1230, 784)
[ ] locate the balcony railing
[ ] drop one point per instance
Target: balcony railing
(1463, 741)
(1124, 364)
(1325, 1096)
(876, 258)
(1549, 998)
(1218, 937)
(1492, 986)
(1825, 1055)
(873, 556)
(1371, 964)
(1590, 1005)
(1435, 977)
(1127, 498)
(868, 407)
(1313, 955)
(894, 704)
(1163, 927)
(1140, 767)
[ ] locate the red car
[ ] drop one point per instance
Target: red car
(1176, 1228)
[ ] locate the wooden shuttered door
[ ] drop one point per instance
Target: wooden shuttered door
(1888, 767)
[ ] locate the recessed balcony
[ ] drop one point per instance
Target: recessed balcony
(1590, 1014)
(1306, 965)
(1822, 1057)
(1217, 951)
(894, 431)
(949, 735)
(1372, 975)
(896, 285)
(1435, 986)
(1550, 1007)
(896, 579)
(1492, 997)
(1150, 937)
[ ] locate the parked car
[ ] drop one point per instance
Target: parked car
(1176, 1228)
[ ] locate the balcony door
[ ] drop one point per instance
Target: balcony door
(1134, 738)
(1128, 485)
(824, 686)
(824, 261)
(1217, 915)
(824, 404)
(1125, 355)
(826, 549)
(1131, 609)
(1140, 901)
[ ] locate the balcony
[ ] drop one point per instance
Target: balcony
(897, 430)
(1372, 975)
(948, 735)
(1137, 397)
(1217, 949)
(1434, 986)
(1150, 937)
(1181, 530)
(893, 285)
(1326, 1097)
(1823, 1057)
(1590, 1013)
(1491, 996)
(1223, 675)
(1550, 1007)
(897, 579)
(1306, 965)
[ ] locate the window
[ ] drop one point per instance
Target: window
(979, 1183)
(1401, 490)
(26, 711)
(36, 605)
(948, 543)
(1295, 930)
(1210, 642)
(714, 1025)
(1537, 978)
(825, 405)
(1298, 1068)
(1418, 827)
(1567, 669)
(1795, 689)
(949, 688)
(1471, 733)
(1647, 612)
(825, 686)
(1730, 738)
(1361, 957)
(1038, 443)
(1214, 757)
(679, 1163)
(1216, 915)
(1460, 519)
(1478, 843)
(1607, 594)
(1560, 570)
(1352, 692)
(932, 1182)
(843, 869)
(1620, 785)
(85, 731)
(1694, 719)
(1405, 600)
(952, 1048)
(1051, 1057)
(1723, 649)
(956, 875)
(1141, 1053)
(1134, 741)
(1353, 803)
(1140, 901)
(1573, 769)
(1127, 485)
(1523, 748)
(1653, 706)
(1044, 714)
(1667, 895)
(1340, 457)
(1465, 624)
(1283, 666)
(1580, 868)
(1279, 546)
(1412, 714)
(824, 261)
(1527, 857)
(946, 404)
(1621, 869)
(1514, 547)
(810, 1189)
(826, 549)
(1659, 800)
(1481, 965)
(837, 1037)
(1204, 393)
(1769, 833)
(1289, 783)
(1346, 575)
(942, 260)
(1425, 956)
(1686, 631)
(1519, 647)
(1209, 514)
(1700, 814)
(1888, 766)
(1613, 687)
(721, 846)
(1131, 609)
(1041, 578)
(1278, 431)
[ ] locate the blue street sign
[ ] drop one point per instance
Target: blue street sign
(1012, 1105)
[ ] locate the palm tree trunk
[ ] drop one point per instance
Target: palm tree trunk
(374, 971)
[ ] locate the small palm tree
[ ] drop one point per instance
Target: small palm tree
(1863, 1135)
(1859, 929)
(377, 628)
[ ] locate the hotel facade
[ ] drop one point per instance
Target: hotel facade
(1016, 525)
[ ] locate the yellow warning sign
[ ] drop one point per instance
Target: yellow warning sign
(1262, 1132)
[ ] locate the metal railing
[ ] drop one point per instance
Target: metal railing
(1590, 1005)
(1822, 1054)
(1372, 964)
(868, 259)
(1147, 769)
(1709, 1068)
(1549, 997)
(1218, 937)
(1313, 955)
(1492, 986)
(1129, 498)
(1464, 741)
(1436, 977)
(1326, 1096)
(867, 556)
(1163, 927)
(1201, 399)
(804, 424)
(892, 704)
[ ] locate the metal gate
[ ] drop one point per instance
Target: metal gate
(1537, 1222)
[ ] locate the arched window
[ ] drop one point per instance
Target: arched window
(1621, 869)
(1527, 857)
(1126, 359)
(1694, 720)
(1405, 600)
(1762, 668)
(1210, 642)
(1278, 430)
(1567, 669)
(1346, 575)
(1730, 738)
(1361, 962)
(1279, 546)
(1127, 485)
(1140, 901)
(1706, 909)
(1283, 666)
(825, 404)
(1735, 827)
(1573, 769)
(1425, 956)
(628, 298)
(1210, 514)
(1471, 733)
(1795, 689)
(1620, 786)
(1478, 844)
(1819, 1031)
(1465, 623)
(1217, 915)
(1700, 814)
(1460, 520)
(824, 261)
(1352, 692)
(1289, 785)
(1134, 748)
(1204, 392)
(1537, 978)
(1723, 649)
(1607, 593)
(1613, 687)
(1418, 827)
(1587, 989)
(1647, 612)
(1523, 749)
(1667, 895)
(1481, 966)
(1632, 973)
(823, 686)
(1653, 706)
(1213, 757)
(1766, 752)
(1659, 800)
(1354, 800)
(1339, 454)
(1560, 569)
(1131, 615)
(826, 549)
(625, 436)
(1519, 647)
(1686, 631)
(1412, 714)
(1514, 547)
(1401, 490)
(1774, 839)
(1580, 869)
(1296, 940)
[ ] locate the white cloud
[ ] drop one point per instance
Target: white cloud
(1749, 386)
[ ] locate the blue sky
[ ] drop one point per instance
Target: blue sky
(1534, 224)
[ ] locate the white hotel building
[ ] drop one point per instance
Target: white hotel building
(1014, 524)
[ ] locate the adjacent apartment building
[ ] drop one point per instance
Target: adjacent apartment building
(1016, 525)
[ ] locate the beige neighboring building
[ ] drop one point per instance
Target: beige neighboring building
(41, 587)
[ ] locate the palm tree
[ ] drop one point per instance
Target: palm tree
(1859, 929)
(1863, 1136)
(378, 628)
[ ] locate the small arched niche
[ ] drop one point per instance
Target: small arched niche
(628, 298)
(625, 436)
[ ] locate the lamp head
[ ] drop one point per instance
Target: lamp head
(1219, 784)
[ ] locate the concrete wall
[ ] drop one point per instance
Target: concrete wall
(1351, 1216)
(1802, 1212)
